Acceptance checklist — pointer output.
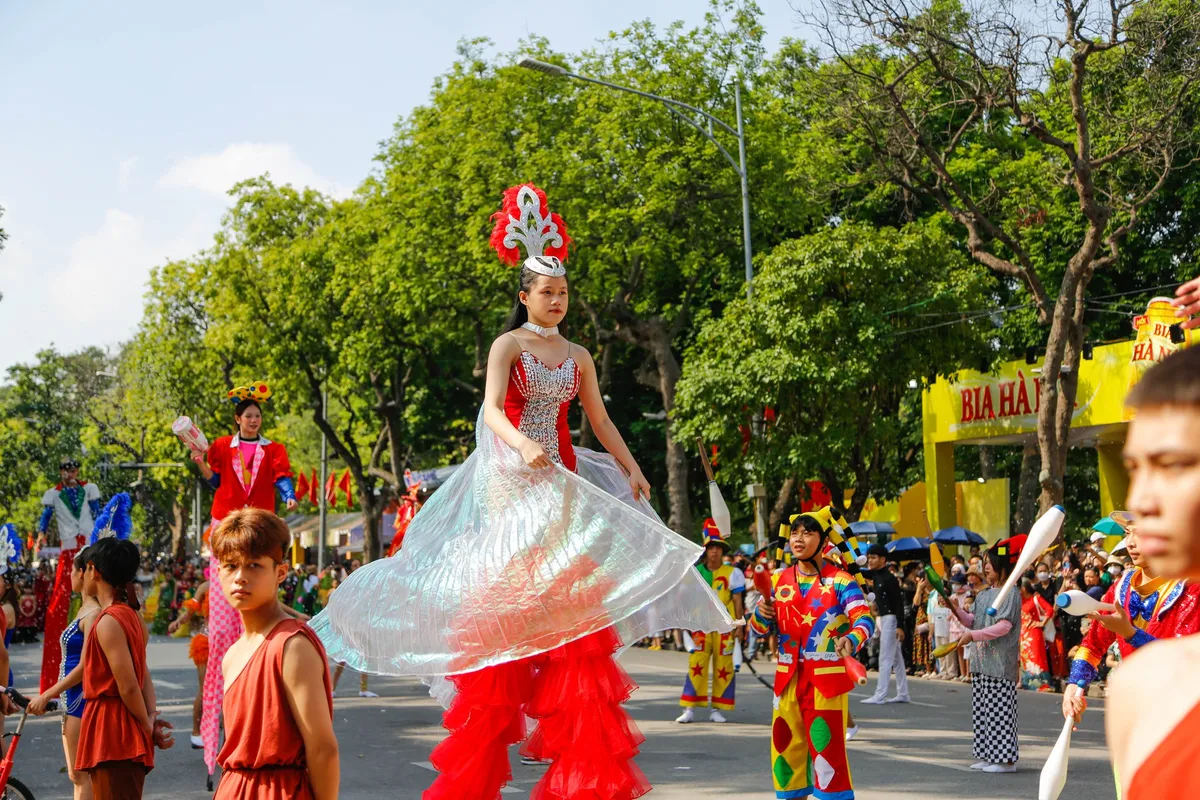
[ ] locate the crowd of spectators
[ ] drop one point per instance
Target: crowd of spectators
(1049, 636)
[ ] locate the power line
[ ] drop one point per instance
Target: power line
(1136, 291)
(967, 318)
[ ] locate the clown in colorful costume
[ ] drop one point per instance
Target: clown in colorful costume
(73, 505)
(822, 618)
(729, 583)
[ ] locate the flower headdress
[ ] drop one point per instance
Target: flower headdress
(525, 220)
(10, 546)
(114, 520)
(256, 391)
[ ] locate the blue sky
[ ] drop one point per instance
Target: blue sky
(122, 125)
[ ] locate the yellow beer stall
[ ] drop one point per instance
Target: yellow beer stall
(974, 408)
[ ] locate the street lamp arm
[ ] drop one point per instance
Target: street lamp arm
(667, 100)
(733, 162)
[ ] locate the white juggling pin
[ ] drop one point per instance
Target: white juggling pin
(1054, 773)
(1041, 536)
(1077, 603)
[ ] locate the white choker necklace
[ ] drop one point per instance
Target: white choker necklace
(545, 333)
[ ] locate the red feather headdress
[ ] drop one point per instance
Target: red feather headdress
(525, 220)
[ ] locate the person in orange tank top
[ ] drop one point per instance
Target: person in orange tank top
(278, 703)
(120, 728)
(1157, 755)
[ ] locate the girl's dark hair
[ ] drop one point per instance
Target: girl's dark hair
(520, 314)
(1000, 564)
(117, 561)
(83, 558)
(10, 596)
(242, 405)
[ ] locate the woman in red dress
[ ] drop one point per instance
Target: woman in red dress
(119, 730)
(517, 573)
(1035, 613)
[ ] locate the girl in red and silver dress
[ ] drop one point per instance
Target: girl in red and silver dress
(522, 575)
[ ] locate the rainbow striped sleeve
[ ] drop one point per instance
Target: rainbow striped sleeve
(858, 610)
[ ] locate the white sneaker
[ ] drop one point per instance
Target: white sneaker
(1000, 768)
(367, 694)
(686, 717)
(197, 742)
(898, 699)
(716, 716)
(872, 701)
(532, 762)
(981, 765)
(851, 732)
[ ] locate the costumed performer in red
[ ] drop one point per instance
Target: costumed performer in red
(73, 505)
(1148, 609)
(522, 574)
(246, 470)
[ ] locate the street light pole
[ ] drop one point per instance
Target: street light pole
(678, 108)
(324, 513)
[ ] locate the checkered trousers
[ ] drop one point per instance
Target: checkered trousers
(994, 717)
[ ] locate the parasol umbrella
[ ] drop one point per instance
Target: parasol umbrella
(908, 548)
(957, 534)
(871, 528)
(1109, 527)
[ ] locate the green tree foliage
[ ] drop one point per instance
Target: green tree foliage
(1043, 146)
(821, 346)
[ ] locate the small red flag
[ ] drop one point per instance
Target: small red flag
(302, 487)
(344, 485)
(331, 490)
(313, 486)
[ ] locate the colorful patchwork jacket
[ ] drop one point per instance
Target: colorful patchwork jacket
(810, 616)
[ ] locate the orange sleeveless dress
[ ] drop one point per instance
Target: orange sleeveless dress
(1173, 769)
(108, 731)
(263, 757)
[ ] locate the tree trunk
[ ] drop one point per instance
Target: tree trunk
(987, 462)
(680, 519)
(1060, 374)
(782, 501)
(372, 508)
(587, 437)
(179, 528)
(1027, 490)
(653, 335)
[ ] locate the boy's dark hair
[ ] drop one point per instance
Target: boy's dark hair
(117, 561)
(1174, 381)
(251, 533)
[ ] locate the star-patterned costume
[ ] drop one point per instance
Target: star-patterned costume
(808, 727)
(1157, 607)
(714, 648)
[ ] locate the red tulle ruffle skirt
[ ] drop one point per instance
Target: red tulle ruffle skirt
(575, 693)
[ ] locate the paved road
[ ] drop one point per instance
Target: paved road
(914, 752)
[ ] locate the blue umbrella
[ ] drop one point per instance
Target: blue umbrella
(871, 528)
(908, 547)
(957, 534)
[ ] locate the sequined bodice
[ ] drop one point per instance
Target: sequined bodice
(537, 403)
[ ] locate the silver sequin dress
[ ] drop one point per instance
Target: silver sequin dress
(505, 562)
